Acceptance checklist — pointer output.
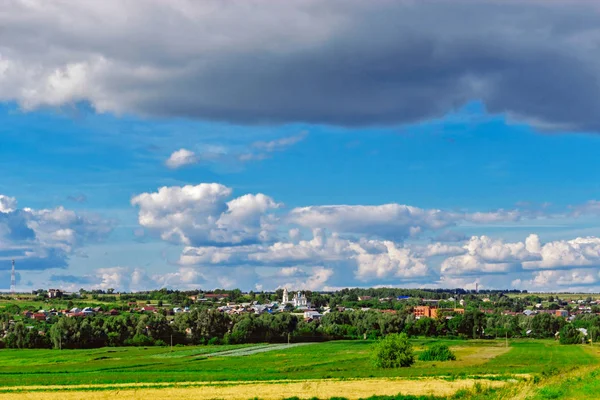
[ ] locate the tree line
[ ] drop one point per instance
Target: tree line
(210, 326)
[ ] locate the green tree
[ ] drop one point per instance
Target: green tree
(570, 335)
(393, 351)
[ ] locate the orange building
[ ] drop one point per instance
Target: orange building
(432, 312)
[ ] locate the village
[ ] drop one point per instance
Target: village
(299, 303)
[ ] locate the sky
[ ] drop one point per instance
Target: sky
(306, 144)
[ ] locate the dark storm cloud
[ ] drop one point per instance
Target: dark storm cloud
(335, 62)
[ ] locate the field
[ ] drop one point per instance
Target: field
(340, 368)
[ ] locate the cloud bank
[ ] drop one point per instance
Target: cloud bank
(343, 62)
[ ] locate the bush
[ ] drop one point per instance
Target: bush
(570, 335)
(393, 351)
(437, 352)
(139, 340)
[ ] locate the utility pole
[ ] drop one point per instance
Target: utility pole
(506, 338)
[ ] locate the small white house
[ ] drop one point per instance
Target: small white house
(312, 315)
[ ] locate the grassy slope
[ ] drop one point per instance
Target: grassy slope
(326, 360)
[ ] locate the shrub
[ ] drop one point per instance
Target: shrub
(437, 352)
(393, 351)
(140, 340)
(570, 335)
(214, 341)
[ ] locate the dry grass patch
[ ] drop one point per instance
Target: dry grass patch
(467, 356)
(351, 389)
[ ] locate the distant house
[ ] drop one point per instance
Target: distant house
(55, 293)
(113, 312)
(403, 297)
(218, 296)
(364, 298)
(27, 314)
(39, 316)
(87, 311)
(561, 313)
(312, 315)
(529, 313)
(149, 309)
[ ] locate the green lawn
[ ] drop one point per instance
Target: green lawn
(342, 359)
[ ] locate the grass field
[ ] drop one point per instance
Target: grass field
(220, 371)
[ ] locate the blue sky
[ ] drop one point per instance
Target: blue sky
(318, 162)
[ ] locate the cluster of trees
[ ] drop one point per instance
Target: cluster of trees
(201, 326)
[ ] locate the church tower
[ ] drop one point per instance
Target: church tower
(285, 296)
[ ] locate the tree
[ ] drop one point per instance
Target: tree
(570, 335)
(393, 351)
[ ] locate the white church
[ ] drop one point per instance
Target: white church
(299, 301)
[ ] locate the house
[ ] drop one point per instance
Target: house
(312, 315)
(87, 311)
(39, 316)
(403, 297)
(55, 293)
(149, 309)
(529, 313)
(216, 296)
(177, 310)
(561, 313)
(27, 314)
(364, 298)
(113, 312)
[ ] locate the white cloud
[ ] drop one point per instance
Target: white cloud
(577, 252)
(442, 249)
(211, 154)
(201, 214)
(367, 260)
(181, 158)
(316, 279)
(562, 280)
(7, 204)
(393, 221)
(279, 144)
(375, 262)
(485, 255)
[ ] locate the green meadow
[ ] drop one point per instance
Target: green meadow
(263, 362)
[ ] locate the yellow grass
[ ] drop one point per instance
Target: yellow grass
(467, 356)
(351, 389)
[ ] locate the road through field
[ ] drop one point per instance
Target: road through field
(323, 389)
